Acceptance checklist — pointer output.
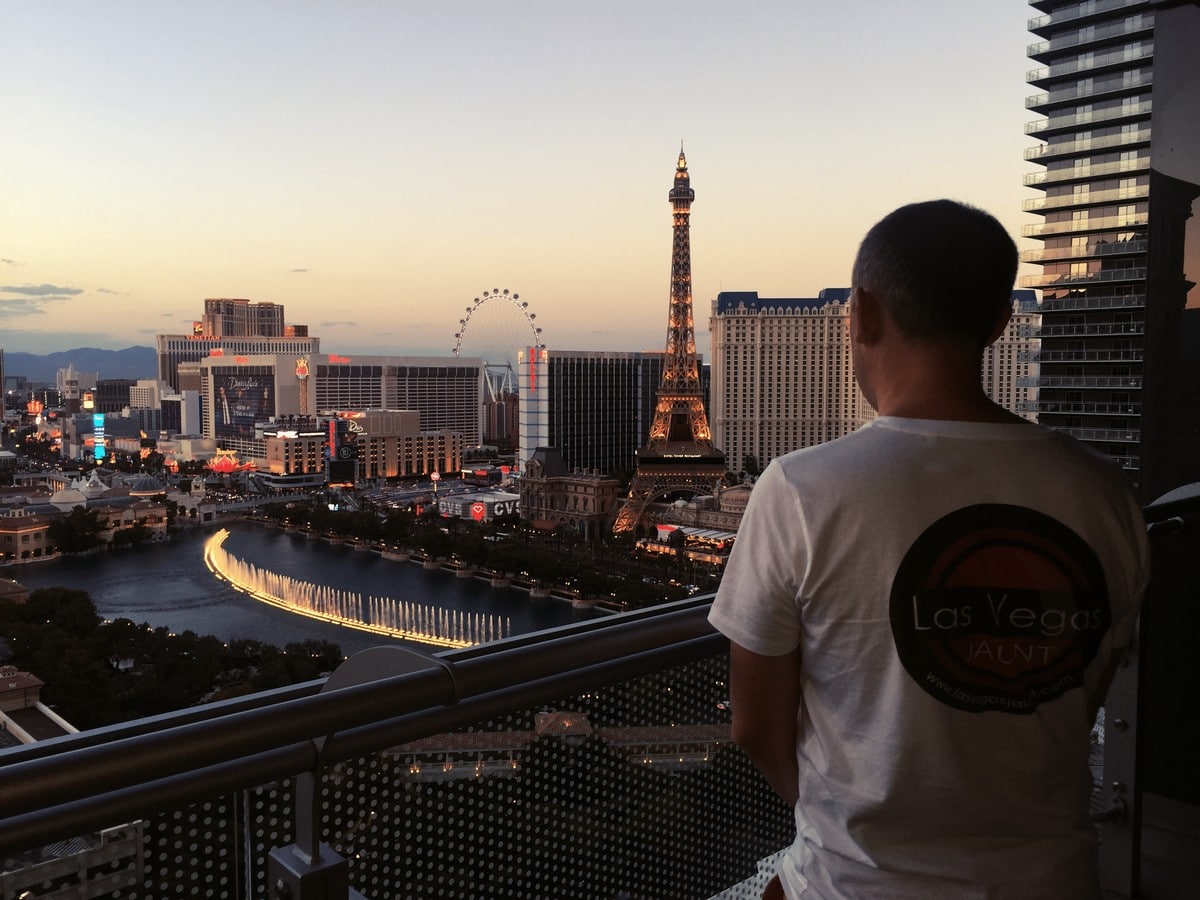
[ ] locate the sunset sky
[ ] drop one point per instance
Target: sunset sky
(374, 166)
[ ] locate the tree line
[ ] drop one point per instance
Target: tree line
(99, 672)
(559, 559)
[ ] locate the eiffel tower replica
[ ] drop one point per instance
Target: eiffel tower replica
(678, 457)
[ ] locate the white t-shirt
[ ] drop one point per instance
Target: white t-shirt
(955, 590)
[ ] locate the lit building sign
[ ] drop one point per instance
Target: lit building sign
(302, 375)
(99, 446)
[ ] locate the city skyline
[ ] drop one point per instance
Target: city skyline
(374, 169)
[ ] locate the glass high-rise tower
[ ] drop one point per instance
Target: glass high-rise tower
(1096, 74)
(1118, 166)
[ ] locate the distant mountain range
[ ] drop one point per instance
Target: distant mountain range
(132, 362)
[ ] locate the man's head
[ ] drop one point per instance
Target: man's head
(943, 270)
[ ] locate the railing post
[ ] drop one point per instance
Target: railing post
(1120, 794)
(313, 872)
(1120, 817)
(309, 869)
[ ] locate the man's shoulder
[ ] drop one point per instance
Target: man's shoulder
(866, 433)
(879, 447)
(844, 451)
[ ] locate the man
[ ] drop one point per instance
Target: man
(924, 614)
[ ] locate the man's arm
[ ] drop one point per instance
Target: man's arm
(765, 696)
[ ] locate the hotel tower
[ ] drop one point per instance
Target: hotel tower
(1117, 173)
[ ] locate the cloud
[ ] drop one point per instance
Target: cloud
(333, 324)
(15, 308)
(39, 290)
(106, 291)
(301, 270)
(9, 262)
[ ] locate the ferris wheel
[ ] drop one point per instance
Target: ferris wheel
(497, 325)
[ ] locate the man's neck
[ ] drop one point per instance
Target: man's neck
(938, 386)
(966, 409)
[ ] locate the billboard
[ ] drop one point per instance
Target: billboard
(480, 507)
(342, 451)
(241, 398)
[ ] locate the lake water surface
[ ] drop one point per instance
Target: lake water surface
(168, 585)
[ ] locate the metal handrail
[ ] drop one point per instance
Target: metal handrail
(78, 783)
(67, 786)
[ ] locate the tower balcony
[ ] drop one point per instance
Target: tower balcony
(1092, 250)
(1066, 149)
(1105, 435)
(1081, 356)
(1130, 463)
(1080, 279)
(1086, 198)
(1092, 329)
(1138, 25)
(1088, 173)
(1072, 304)
(1099, 62)
(1134, 81)
(1107, 115)
(592, 760)
(1081, 13)
(1084, 383)
(1079, 408)
(1085, 226)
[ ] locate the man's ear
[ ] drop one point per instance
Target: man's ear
(999, 327)
(866, 317)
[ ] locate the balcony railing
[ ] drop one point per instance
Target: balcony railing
(1111, 435)
(1090, 63)
(1091, 382)
(1096, 116)
(1082, 226)
(1101, 34)
(1086, 198)
(1071, 304)
(1077, 279)
(588, 761)
(1086, 173)
(1091, 329)
(1048, 151)
(595, 755)
(1089, 251)
(1069, 408)
(1129, 355)
(1078, 12)
(1106, 89)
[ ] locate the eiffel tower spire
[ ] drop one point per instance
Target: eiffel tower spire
(678, 457)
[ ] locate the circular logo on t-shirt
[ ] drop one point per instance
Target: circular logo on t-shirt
(998, 607)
